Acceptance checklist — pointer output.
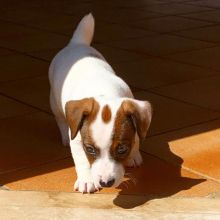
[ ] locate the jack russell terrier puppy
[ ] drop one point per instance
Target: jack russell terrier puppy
(96, 112)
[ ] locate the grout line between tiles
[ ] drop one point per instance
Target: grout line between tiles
(21, 79)
(178, 34)
(201, 174)
(182, 101)
(207, 6)
(18, 116)
(161, 55)
(24, 103)
(199, 19)
(181, 82)
(17, 52)
(184, 168)
(34, 166)
(184, 127)
(43, 30)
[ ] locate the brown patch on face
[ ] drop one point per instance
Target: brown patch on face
(86, 133)
(123, 135)
(140, 116)
(79, 115)
(106, 114)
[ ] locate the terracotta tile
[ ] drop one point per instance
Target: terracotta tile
(112, 32)
(37, 42)
(19, 66)
(113, 55)
(204, 92)
(210, 34)
(175, 8)
(210, 3)
(130, 4)
(208, 57)
(154, 177)
(32, 140)
(45, 21)
(116, 55)
(4, 52)
(153, 72)
(169, 114)
(11, 108)
(169, 24)
(160, 45)
(124, 15)
(47, 55)
(12, 31)
(198, 146)
(33, 91)
(211, 16)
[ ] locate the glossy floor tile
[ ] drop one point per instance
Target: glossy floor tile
(173, 8)
(212, 16)
(162, 180)
(33, 92)
(208, 33)
(169, 114)
(29, 141)
(170, 24)
(166, 50)
(155, 72)
(195, 148)
(34, 42)
(16, 67)
(208, 57)
(161, 45)
(204, 92)
(12, 108)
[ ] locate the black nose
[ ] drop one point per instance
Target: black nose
(108, 184)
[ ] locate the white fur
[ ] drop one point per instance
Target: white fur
(79, 71)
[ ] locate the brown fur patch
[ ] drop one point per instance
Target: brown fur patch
(79, 115)
(123, 134)
(86, 133)
(106, 114)
(76, 111)
(139, 118)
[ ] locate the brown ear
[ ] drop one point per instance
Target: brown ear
(76, 111)
(141, 113)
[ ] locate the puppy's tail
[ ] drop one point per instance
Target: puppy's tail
(84, 31)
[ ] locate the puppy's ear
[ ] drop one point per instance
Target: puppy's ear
(76, 111)
(140, 113)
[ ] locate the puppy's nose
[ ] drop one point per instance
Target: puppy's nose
(107, 184)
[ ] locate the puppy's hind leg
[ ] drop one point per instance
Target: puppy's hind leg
(63, 126)
(61, 121)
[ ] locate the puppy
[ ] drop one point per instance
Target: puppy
(96, 112)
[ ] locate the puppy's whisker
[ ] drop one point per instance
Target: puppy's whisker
(131, 178)
(125, 184)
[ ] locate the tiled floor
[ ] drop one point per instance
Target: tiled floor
(167, 50)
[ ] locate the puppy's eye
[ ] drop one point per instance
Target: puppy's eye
(90, 150)
(122, 149)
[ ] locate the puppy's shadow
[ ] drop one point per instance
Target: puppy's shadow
(154, 179)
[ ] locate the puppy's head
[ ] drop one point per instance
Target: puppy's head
(110, 132)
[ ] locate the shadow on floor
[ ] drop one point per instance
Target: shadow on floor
(154, 179)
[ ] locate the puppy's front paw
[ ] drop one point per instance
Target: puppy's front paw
(134, 160)
(85, 184)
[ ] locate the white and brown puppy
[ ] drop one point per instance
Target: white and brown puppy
(96, 112)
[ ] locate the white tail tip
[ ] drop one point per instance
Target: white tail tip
(84, 31)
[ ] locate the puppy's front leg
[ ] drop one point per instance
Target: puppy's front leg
(84, 182)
